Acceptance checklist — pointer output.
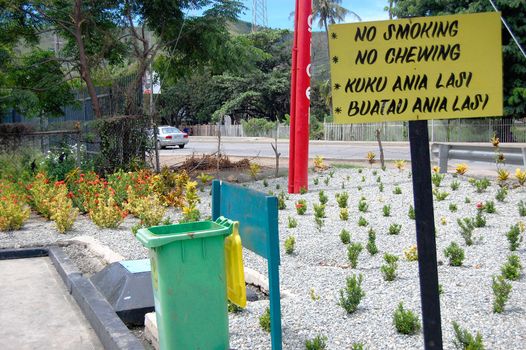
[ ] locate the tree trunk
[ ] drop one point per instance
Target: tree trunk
(84, 66)
(379, 139)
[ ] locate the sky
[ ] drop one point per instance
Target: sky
(278, 12)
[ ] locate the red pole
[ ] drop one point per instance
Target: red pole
(302, 95)
(294, 72)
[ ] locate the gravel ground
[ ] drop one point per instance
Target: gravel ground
(320, 266)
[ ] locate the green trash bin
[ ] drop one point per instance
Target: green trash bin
(189, 283)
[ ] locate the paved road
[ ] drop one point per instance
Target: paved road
(245, 147)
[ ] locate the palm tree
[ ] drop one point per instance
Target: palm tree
(329, 12)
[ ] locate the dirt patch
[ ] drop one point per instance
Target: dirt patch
(86, 261)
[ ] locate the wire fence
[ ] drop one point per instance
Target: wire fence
(451, 130)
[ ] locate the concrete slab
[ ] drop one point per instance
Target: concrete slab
(36, 310)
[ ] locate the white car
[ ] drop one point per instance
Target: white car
(171, 136)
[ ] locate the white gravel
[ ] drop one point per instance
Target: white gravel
(320, 266)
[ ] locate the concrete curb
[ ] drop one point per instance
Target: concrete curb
(97, 248)
(112, 332)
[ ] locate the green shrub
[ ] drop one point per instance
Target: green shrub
(292, 223)
(440, 195)
(257, 127)
(395, 229)
(389, 268)
(514, 237)
(371, 242)
(455, 185)
(326, 181)
(353, 251)
(405, 321)
(316, 180)
(233, 308)
(357, 346)
(453, 207)
(344, 214)
(466, 229)
(282, 204)
(481, 185)
(480, 220)
(501, 194)
(301, 207)
(363, 206)
(386, 210)
(362, 222)
(319, 211)
(467, 200)
(512, 269)
(353, 293)
(318, 343)
(489, 207)
(464, 340)
(303, 190)
(397, 190)
(411, 212)
(323, 197)
(345, 236)
(290, 244)
(381, 187)
(342, 198)
(436, 179)
(522, 208)
(501, 292)
(455, 254)
(264, 320)
(319, 222)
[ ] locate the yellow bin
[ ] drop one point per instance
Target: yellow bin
(235, 274)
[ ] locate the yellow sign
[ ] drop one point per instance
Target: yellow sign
(419, 68)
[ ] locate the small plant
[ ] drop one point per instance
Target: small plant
(520, 175)
(342, 199)
(318, 343)
(436, 179)
(319, 222)
(265, 183)
(282, 204)
(106, 213)
(480, 220)
(292, 223)
(359, 188)
(435, 169)
(371, 242)
(501, 292)
(443, 220)
(512, 269)
(353, 293)
(399, 164)
(254, 170)
(316, 180)
(319, 210)
(381, 187)
(440, 195)
(374, 172)
(489, 207)
(233, 308)
(326, 181)
(502, 176)
(362, 222)
(501, 194)
(353, 251)
(371, 157)
(278, 186)
(467, 200)
(455, 185)
(397, 190)
(405, 321)
(357, 346)
(411, 212)
(464, 340)
(461, 168)
(290, 244)
(323, 197)
(386, 210)
(363, 206)
(481, 185)
(389, 268)
(378, 179)
(344, 214)
(313, 295)
(190, 211)
(411, 253)
(319, 164)
(206, 178)
(264, 320)
(303, 190)
(345, 236)
(301, 206)
(360, 170)
(395, 229)
(514, 237)
(467, 227)
(13, 214)
(453, 207)
(455, 254)
(522, 208)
